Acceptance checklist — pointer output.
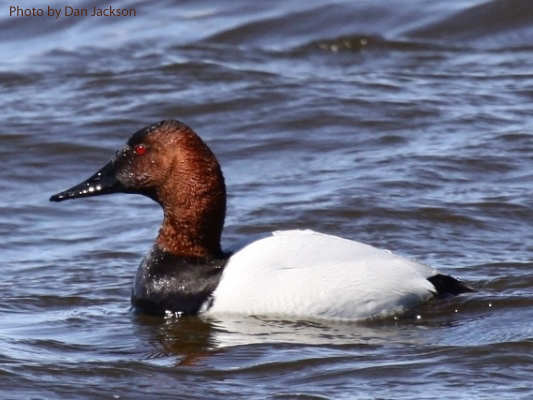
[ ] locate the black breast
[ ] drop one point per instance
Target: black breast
(166, 283)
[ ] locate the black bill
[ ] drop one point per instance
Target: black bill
(103, 182)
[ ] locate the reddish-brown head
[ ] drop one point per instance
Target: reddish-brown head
(169, 163)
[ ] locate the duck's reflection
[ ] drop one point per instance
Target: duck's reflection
(194, 339)
(190, 339)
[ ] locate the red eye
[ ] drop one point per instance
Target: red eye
(140, 149)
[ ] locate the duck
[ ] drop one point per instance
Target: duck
(299, 273)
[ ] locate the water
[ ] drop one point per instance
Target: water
(406, 125)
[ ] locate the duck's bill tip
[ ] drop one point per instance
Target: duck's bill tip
(71, 194)
(58, 197)
(82, 190)
(102, 182)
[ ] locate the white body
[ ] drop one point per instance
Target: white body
(305, 273)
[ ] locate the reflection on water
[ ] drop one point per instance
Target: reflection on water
(186, 336)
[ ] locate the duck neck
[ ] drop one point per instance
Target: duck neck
(193, 230)
(193, 198)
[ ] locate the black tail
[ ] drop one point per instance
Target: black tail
(446, 285)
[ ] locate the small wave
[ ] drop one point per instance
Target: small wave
(499, 24)
(358, 43)
(495, 24)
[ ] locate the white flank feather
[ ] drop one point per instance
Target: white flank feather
(305, 273)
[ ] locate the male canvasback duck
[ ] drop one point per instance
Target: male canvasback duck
(292, 273)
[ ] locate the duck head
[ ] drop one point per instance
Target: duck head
(170, 164)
